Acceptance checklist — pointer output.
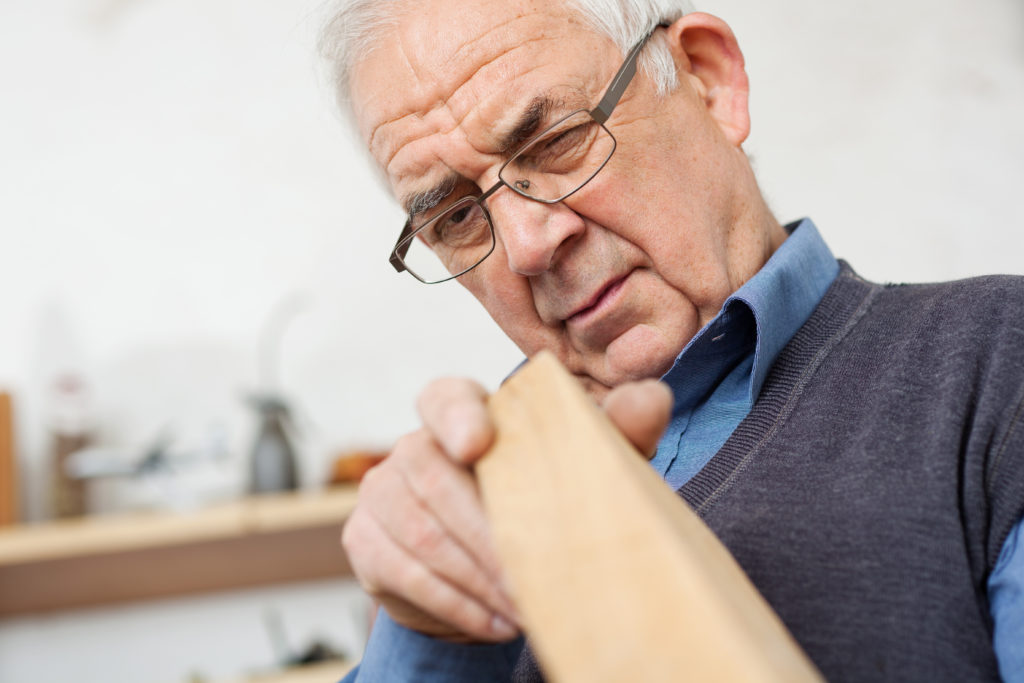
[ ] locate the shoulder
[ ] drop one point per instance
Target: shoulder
(981, 311)
(963, 335)
(986, 289)
(973, 298)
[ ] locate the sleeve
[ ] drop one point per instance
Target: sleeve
(395, 654)
(1006, 604)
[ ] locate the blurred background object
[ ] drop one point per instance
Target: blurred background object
(70, 433)
(272, 463)
(161, 476)
(351, 466)
(8, 463)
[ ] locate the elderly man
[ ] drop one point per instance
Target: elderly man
(859, 448)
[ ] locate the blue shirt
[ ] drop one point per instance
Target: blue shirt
(715, 380)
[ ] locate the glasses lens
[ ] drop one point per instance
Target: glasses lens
(450, 243)
(561, 160)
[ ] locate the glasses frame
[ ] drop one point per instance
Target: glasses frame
(600, 114)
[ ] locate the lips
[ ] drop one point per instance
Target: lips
(598, 301)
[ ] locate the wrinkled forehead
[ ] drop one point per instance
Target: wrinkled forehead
(445, 63)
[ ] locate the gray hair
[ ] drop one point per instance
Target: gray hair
(349, 34)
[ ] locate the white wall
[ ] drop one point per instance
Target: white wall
(898, 126)
(219, 638)
(171, 171)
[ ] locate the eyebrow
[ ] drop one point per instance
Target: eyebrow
(419, 202)
(526, 126)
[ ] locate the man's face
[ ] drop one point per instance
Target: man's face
(616, 278)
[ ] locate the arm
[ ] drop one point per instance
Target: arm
(1006, 604)
(430, 660)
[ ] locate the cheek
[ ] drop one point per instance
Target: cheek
(657, 211)
(508, 300)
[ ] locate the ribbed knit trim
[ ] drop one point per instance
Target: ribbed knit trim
(842, 307)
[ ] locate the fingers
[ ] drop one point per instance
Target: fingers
(412, 593)
(450, 494)
(641, 411)
(418, 540)
(454, 411)
(434, 513)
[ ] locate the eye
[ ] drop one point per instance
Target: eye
(565, 140)
(561, 150)
(560, 144)
(459, 215)
(462, 225)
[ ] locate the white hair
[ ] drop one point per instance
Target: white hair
(349, 34)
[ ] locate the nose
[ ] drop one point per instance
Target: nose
(533, 234)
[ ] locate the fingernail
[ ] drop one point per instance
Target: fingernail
(509, 604)
(462, 438)
(455, 441)
(502, 628)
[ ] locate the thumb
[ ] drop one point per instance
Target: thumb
(641, 411)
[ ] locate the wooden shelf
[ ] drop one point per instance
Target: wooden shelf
(102, 560)
(314, 673)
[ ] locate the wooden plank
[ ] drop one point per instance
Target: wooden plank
(8, 464)
(615, 577)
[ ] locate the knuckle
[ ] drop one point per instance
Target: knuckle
(410, 580)
(399, 452)
(425, 538)
(355, 540)
(369, 584)
(349, 537)
(445, 392)
(435, 391)
(371, 479)
(409, 450)
(359, 544)
(470, 617)
(444, 386)
(434, 481)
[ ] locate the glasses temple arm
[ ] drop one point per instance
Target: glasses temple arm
(400, 250)
(613, 94)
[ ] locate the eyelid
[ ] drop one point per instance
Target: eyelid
(542, 112)
(432, 199)
(459, 191)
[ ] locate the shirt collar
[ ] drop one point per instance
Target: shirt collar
(785, 292)
(770, 307)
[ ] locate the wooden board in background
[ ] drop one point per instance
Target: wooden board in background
(8, 463)
(86, 562)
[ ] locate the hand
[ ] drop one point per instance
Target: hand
(418, 540)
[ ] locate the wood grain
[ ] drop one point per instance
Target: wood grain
(615, 577)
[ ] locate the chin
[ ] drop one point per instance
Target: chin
(640, 353)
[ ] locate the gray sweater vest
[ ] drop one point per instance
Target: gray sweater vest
(869, 491)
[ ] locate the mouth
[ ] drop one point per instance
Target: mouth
(601, 300)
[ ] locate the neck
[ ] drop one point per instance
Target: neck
(756, 233)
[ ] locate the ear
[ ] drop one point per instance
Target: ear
(706, 52)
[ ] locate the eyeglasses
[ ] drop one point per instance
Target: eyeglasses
(455, 236)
